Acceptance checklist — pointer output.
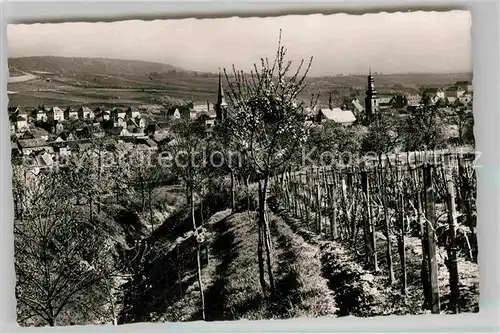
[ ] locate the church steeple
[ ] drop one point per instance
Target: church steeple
(371, 95)
(221, 105)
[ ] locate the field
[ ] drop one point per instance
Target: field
(76, 81)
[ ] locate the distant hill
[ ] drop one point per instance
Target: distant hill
(66, 80)
(106, 66)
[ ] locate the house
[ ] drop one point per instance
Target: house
(413, 100)
(133, 113)
(43, 160)
(209, 131)
(89, 132)
(466, 98)
(20, 121)
(96, 131)
(70, 114)
(192, 114)
(38, 132)
(85, 113)
(28, 146)
(438, 92)
(64, 136)
(114, 131)
(41, 115)
(133, 129)
(453, 92)
(119, 117)
(152, 128)
(13, 110)
(357, 107)
(58, 127)
(141, 122)
(61, 148)
(104, 115)
(118, 113)
(208, 118)
(55, 114)
(83, 146)
(344, 117)
(179, 113)
(26, 135)
(157, 131)
(14, 113)
(466, 86)
(199, 109)
(383, 101)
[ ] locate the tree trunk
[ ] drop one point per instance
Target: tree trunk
(424, 274)
(388, 246)
(260, 259)
(111, 301)
(402, 251)
(369, 233)
(265, 225)
(200, 282)
(90, 210)
(151, 220)
(318, 202)
(198, 263)
(431, 225)
(334, 210)
(191, 205)
(233, 204)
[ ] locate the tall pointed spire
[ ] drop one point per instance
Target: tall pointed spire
(221, 100)
(371, 94)
(221, 105)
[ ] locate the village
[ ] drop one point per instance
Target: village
(45, 134)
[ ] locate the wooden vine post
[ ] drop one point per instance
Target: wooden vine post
(383, 196)
(452, 246)
(369, 230)
(401, 221)
(430, 213)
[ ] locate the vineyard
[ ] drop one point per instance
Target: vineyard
(410, 224)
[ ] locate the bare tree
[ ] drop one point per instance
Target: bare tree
(269, 124)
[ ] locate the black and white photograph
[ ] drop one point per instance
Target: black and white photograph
(257, 168)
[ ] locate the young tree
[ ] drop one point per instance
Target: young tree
(464, 120)
(423, 128)
(191, 163)
(270, 125)
(382, 136)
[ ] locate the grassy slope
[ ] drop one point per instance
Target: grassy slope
(232, 289)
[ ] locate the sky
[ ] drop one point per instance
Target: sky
(340, 43)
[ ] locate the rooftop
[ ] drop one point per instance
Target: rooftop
(338, 115)
(29, 143)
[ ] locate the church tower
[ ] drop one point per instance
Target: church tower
(221, 105)
(371, 96)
